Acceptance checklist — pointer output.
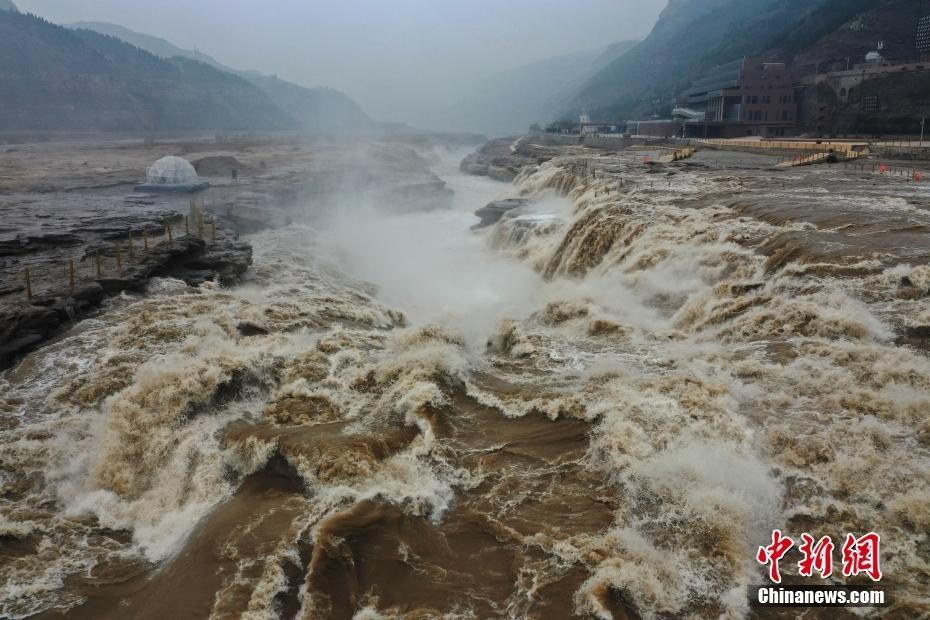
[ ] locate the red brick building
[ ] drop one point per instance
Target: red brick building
(749, 97)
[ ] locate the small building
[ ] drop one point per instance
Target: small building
(923, 38)
(589, 129)
(655, 128)
(748, 97)
(172, 174)
(564, 127)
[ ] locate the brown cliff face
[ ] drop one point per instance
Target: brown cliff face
(894, 23)
(897, 99)
(690, 38)
(901, 104)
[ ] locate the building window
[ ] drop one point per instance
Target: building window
(871, 103)
(843, 93)
(923, 35)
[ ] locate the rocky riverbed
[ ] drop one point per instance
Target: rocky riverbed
(503, 158)
(599, 406)
(71, 220)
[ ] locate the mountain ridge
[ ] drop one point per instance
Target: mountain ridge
(64, 79)
(317, 109)
(509, 101)
(692, 36)
(56, 79)
(155, 45)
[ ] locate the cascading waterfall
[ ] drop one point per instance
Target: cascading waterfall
(602, 404)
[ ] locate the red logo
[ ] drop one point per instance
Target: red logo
(860, 555)
(817, 556)
(773, 553)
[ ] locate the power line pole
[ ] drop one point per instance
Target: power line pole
(922, 123)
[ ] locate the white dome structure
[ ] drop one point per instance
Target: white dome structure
(172, 174)
(173, 171)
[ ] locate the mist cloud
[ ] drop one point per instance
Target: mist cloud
(403, 60)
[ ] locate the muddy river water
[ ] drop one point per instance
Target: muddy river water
(598, 407)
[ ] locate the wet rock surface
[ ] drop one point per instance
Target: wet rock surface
(492, 212)
(503, 158)
(29, 322)
(73, 202)
(388, 177)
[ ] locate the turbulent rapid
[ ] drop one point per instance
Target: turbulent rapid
(598, 407)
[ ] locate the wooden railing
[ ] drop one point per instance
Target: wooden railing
(196, 222)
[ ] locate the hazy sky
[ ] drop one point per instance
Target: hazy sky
(398, 58)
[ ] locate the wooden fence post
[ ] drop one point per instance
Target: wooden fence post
(28, 283)
(71, 273)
